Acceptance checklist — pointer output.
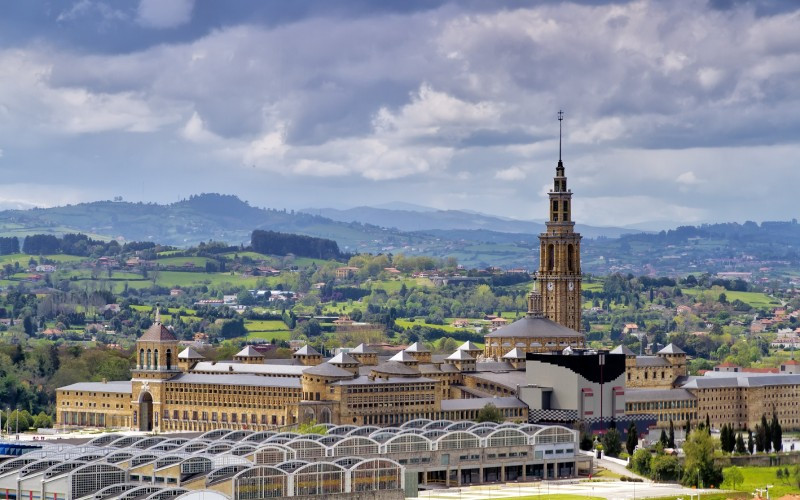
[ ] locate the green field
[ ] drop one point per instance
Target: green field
(404, 323)
(23, 259)
(182, 261)
(758, 477)
(268, 336)
(754, 299)
(268, 325)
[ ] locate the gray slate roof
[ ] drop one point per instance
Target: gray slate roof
(327, 370)
(238, 380)
(647, 395)
(307, 350)
(742, 380)
(343, 359)
(190, 353)
(417, 347)
(391, 380)
(236, 367)
(363, 349)
(531, 326)
(460, 355)
(469, 346)
(671, 349)
(158, 333)
(121, 386)
(249, 352)
(621, 349)
(651, 361)
(515, 353)
(403, 357)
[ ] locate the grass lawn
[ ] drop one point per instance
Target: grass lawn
(595, 286)
(757, 477)
(269, 325)
(277, 335)
(177, 278)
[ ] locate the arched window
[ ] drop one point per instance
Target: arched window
(570, 257)
(565, 208)
(169, 359)
(551, 258)
(155, 361)
(141, 358)
(149, 359)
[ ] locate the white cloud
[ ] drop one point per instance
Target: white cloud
(164, 13)
(687, 178)
(510, 174)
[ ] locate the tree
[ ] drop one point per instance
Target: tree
(779, 474)
(698, 468)
(632, 440)
(760, 438)
(640, 462)
(733, 475)
(490, 413)
(708, 423)
(671, 436)
(750, 442)
(687, 428)
(740, 448)
(663, 439)
(665, 467)
(767, 434)
(587, 442)
(777, 433)
(612, 442)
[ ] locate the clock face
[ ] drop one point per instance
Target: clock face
(571, 286)
(550, 286)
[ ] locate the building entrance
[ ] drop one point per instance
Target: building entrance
(146, 412)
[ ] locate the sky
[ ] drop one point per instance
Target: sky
(675, 112)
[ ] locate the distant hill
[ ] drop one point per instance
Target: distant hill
(187, 222)
(418, 220)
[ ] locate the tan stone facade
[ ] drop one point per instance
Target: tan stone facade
(559, 275)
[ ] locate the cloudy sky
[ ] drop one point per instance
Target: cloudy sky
(682, 111)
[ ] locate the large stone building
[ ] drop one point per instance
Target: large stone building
(188, 393)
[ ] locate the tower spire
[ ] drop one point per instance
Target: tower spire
(560, 119)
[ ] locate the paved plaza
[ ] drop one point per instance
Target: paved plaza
(616, 490)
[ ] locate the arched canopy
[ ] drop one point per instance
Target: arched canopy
(140, 492)
(143, 458)
(224, 472)
(506, 437)
(438, 424)
(271, 454)
(363, 431)
(319, 478)
(258, 437)
(458, 440)
(148, 442)
(355, 446)
(196, 465)
(243, 449)
(114, 491)
(460, 426)
(103, 440)
(292, 465)
(329, 439)
(167, 494)
(376, 474)
(554, 435)
(89, 478)
(407, 443)
(262, 481)
(342, 430)
(38, 466)
(307, 448)
(416, 424)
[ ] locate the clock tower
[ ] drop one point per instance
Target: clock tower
(559, 274)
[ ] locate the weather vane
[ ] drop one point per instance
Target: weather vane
(560, 118)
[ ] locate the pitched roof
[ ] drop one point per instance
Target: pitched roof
(671, 349)
(327, 370)
(249, 352)
(190, 353)
(515, 353)
(343, 359)
(533, 326)
(363, 349)
(307, 350)
(417, 347)
(121, 386)
(460, 355)
(158, 333)
(651, 361)
(403, 357)
(469, 346)
(621, 349)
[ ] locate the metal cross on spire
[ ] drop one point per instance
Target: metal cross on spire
(560, 118)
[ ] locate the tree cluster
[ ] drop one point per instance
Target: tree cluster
(275, 243)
